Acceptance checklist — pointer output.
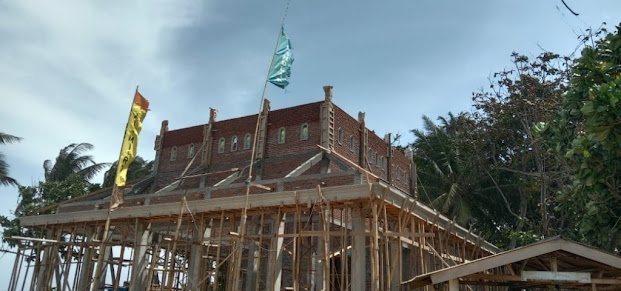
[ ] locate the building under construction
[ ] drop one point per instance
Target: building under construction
(329, 205)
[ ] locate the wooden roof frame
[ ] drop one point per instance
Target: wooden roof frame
(516, 255)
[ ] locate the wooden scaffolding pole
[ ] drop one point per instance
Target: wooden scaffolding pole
(171, 271)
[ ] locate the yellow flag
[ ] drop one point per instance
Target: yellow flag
(130, 142)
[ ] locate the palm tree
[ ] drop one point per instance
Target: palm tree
(137, 169)
(5, 180)
(70, 161)
(447, 166)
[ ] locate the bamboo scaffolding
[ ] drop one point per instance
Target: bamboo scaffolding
(318, 244)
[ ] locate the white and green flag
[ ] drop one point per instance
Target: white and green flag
(281, 64)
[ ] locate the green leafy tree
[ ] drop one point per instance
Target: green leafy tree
(446, 168)
(586, 135)
(67, 178)
(517, 100)
(490, 168)
(71, 161)
(5, 179)
(43, 194)
(137, 169)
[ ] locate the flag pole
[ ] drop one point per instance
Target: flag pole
(113, 200)
(244, 216)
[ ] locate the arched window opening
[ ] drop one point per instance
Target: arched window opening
(221, 145)
(234, 143)
(190, 151)
(352, 143)
(173, 154)
(304, 131)
(247, 141)
(281, 135)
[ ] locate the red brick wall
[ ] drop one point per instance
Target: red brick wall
(403, 163)
(280, 159)
(227, 129)
(181, 139)
(292, 120)
(379, 149)
(279, 167)
(350, 127)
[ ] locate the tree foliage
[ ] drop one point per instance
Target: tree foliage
(586, 135)
(43, 194)
(67, 178)
(137, 169)
(71, 161)
(540, 155)
(490, 163)
(5, 179)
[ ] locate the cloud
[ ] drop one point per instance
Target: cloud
(69, 67)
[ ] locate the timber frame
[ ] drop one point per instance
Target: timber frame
(553, 263)
(294, 239)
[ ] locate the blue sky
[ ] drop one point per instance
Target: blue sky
(69, 68)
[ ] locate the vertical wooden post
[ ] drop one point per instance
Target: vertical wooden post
(68, 259)
(259, 253)
(296, 245)
(251, 259)
(218, 253)
(375, 273)
(99, 271)
(173, 254)
(117, 277)
(86, 268)
(16, 268)
(45, 269)
(396, 271)
(274, 273)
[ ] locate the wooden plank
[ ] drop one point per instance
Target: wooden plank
(261, 186)
(579, 277)
(171, 272)
(340, 193)
(591, 253)
(491, 262)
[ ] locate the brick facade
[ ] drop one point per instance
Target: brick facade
(176, 148)
(280, 158)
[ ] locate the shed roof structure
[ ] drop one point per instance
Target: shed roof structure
(556, 262)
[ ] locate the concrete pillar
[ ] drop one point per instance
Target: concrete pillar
(395, 264)
(196, 258)
(86, 269)
(252, 260)
(274, 270)
(319, 264)
(358, 258)
(139, 270)
(453, 285)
